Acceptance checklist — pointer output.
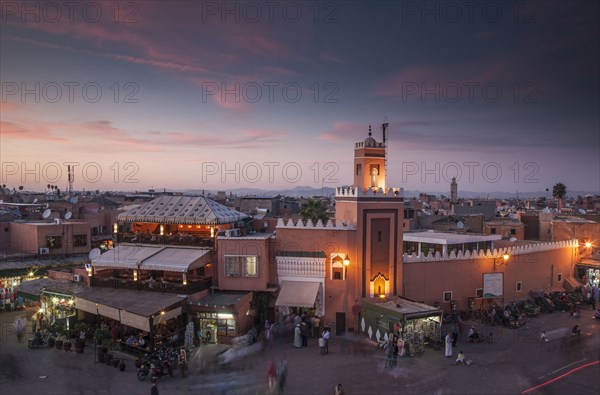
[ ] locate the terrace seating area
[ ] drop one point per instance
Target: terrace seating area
(179, 239)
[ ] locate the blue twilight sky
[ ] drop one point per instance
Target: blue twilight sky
(271, 95)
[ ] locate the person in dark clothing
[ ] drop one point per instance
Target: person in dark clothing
(454, 335)
(154, 390)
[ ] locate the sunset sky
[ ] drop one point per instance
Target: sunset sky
(133, 92)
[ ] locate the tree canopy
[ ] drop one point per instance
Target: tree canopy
(559, 190)
(314, 210)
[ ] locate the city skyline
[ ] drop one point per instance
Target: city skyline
(219, 96)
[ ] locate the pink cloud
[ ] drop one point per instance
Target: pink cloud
(15, 131)
(344, 131)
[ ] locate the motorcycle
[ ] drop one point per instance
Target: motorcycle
(163, 368)
(143, 371)
(37, 343)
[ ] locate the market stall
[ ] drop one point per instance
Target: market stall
(413, 322)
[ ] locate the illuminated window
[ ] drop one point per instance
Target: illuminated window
(447, 296)
(54, 241)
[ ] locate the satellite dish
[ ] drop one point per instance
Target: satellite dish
(460, 225)
(512, 239)
(511, 216)
(582, 211)
(35, 200)
(546, 210)
(1, 201)
(46, 205)
(68, 215)
(46, 213)
(74, 200)
(94, 254)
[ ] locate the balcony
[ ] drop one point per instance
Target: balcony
(174, 240)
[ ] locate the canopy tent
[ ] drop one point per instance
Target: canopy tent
(127, 307)
(126, 256)
(189, 210)
(298, 294)
(175, 259)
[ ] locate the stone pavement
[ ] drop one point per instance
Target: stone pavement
(515, 362)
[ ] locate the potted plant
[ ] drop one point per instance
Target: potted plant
(51, 342)
(67, 345)
(115, 362)
(101, 354)
(59, 343)
(122, 365)
(108, 358)
(79, 345)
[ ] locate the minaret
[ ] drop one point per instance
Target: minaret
(369, 163)
(453, 191)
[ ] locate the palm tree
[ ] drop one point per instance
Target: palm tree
(559, 191)
(314, 210)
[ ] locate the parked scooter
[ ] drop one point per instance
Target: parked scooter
(38, 342)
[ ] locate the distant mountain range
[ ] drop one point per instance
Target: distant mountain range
(307, 191)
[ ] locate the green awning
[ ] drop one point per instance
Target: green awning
(29, 296)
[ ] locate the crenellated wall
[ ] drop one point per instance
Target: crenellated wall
(369, 192)
(536, 266)
(298, 224)
(496, 253)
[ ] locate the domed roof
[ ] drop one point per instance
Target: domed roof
(370, 141)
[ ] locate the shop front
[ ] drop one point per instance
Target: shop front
(413, 322)
(158, 319)
(221, 316)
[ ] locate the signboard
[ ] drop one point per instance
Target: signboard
(493, 285)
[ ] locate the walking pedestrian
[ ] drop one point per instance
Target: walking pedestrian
(154, 389)
(448, 351)
(454, 334)
(389, 350)
(272, 376)
(281, 375)
(395, 351)
(326, 341)
(316, 323)
(297, 336)
(338, 390)
(543, 337)
(304, 334)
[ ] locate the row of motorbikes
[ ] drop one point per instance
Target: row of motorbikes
(38, 341)
(161, 363)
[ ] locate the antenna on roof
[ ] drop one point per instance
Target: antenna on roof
(384, 127)
(71, 179)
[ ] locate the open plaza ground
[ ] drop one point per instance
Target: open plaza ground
(516, 362)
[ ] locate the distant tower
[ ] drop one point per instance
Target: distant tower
(369, 163)
(453, 191)
(71, 179)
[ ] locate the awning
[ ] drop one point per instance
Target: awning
(298, 294)
(135, 321)
(125, 256)
(176, 312)
(85, 305)
(177, 259)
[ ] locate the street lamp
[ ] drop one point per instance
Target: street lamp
(346, 264)
(505, 258)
